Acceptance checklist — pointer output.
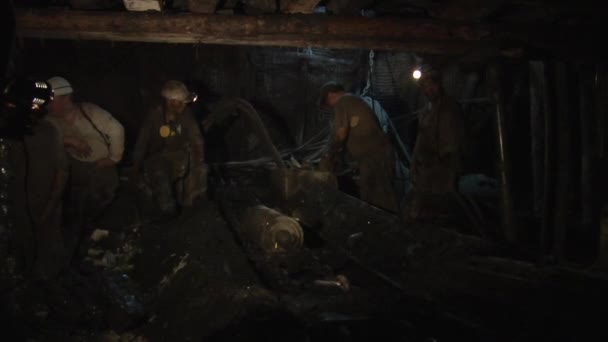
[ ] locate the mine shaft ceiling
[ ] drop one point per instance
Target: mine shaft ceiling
(507, 28)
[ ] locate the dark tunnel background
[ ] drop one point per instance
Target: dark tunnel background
(283, 84)
(554, 117)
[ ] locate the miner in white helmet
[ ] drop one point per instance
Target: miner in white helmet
(170, 151)
(94, 140)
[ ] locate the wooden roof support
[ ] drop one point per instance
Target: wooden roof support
(380, 33)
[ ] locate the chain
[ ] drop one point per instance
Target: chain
(369, 73)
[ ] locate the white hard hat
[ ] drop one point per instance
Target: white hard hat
(175, 90)
(60, 86)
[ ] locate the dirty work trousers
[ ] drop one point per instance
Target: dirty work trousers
(90, 191)
(174, 181)
(377, 181)
(434, 184)
(39, 245)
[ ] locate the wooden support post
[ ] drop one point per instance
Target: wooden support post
(537, 114)
(565, 161)
(550, 165)
(601, 109)
(602, 259)
(587, 181)
(496, 91)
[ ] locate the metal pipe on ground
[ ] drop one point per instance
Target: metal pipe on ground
(270, 230)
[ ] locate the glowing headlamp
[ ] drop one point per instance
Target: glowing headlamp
(417, 74)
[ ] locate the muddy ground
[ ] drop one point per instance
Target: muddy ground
(195, 278)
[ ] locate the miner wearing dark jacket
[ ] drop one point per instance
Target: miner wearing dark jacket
(436, 162)
(170, 149)
(357, 132)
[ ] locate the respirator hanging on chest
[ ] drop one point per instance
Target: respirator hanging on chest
(169, 130)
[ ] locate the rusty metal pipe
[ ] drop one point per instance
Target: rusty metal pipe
(270, 230)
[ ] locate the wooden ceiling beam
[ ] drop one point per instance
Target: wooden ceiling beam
(380, 33)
